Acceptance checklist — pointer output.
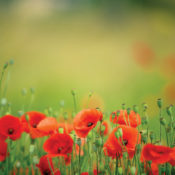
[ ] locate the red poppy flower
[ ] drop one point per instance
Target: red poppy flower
(10, 126)
(3, 150)
(114, 146)
(156, 153)
(30, 125)
(46, 166)
(48, 124)
(86, 120)
(123, 118)
(58, 144)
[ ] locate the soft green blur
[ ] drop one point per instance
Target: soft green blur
(62, 45)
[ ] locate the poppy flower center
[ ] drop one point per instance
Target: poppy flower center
(34, 125)
(90, 124)
(59, 150)
(10, 131)
(46, 172)
(125, 142)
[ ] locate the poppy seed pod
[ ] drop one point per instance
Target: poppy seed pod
(159, 102)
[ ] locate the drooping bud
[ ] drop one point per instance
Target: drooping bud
(159, 102)
(163, 121)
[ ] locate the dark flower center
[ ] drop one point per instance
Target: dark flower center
(10, 131)
(125, 142)
(34, 125)
(46, 172)
(160, 152)
(90, 124)
(59, 150)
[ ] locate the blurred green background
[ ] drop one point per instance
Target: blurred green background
(123, 51)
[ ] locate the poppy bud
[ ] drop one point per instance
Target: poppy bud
(32, 90)
(78, 141)
(118, 113)
(163, 121)
(145, 107)
(62, 103)
(18, 164)
(159, 103)
(35, 160)
(3, 101)
(152, 135)
(11, 62)
(144, 138)
(113, 115)
(31, 148)
(133, 170)
(120, 132)
(65, 116)
(23, 91)
(135, 108)
(128, 111)
(169, 110)
(123, 106)
(120, 171)
(125, 155)
(5, 65)
(73, 92)
(90, 94)
(61, 130)
(20, 113)
(117, 135)
(102, 128)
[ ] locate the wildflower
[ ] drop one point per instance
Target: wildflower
(156, 153)
(86, 120)
(125, 142)
(30, 121)
(58, 144)
(46, 166)
(122, 117)
(10, 126)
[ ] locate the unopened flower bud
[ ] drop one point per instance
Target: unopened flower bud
(120, 132)
(5, 65)
(136, 108)
(169, 110)
(78, 141)
(152, 135)
(120, 171)
(128, 111)
(32, 90)
(163, 121)
(118, 113)
(24, 91)
(61, 130)
(123, 106)
(117, 135)
(31, 148)
(3, 101)
(159, 102)
(133, 170)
